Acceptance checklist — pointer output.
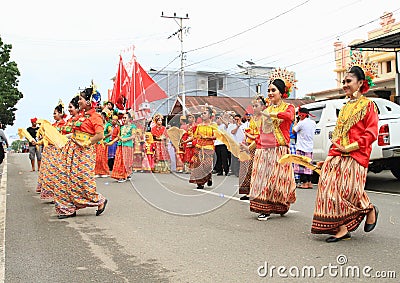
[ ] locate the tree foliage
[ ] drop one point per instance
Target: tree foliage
(9, 93)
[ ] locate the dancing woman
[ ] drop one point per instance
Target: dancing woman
(341, 202)
(50, 153)
(161, 157)
(202, 161)
(124, 156)
(272, 188)
(252, 133)
(78, 185)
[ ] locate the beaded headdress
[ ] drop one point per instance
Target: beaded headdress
(157, 116)
(287, 77)
(370, 68)
(60, 108)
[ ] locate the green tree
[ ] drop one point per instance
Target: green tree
(9, 93)
(17, 145)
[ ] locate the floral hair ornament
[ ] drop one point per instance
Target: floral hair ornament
(60, 108)
(370, 68)
(96, 96)
(287, 77)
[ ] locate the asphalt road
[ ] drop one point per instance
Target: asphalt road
(158, 228)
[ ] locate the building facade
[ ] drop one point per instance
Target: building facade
(385, 86)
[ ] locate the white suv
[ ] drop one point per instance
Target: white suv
(385, 153)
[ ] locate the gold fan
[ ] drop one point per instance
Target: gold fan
(52, 135)
(175, 134)
(231, 144)
(301, 160)
(23, 133)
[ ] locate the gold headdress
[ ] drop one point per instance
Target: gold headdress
(370, 68)
(287, 77)
(60, 107)
(157, 116)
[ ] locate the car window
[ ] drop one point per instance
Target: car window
(316, 112)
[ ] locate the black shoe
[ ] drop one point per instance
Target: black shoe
(370, 227)
(220, 174)
(245, 197)
(333, 239)
(209, 183)
(200, 187)
(100, 211)
(63, 216)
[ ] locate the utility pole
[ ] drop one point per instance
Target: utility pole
(179, 32)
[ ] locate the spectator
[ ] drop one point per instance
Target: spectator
(239, 136)
(3, 139)
(34, 150)
(221, 150)
(292, 147)
(305, 130)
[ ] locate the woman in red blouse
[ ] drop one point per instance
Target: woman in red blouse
(341, 202)
(161, 157)
(272, 187)
(78, 161)
(49, 156)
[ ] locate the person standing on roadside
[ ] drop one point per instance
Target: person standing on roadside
(305, 130)
(3, 139)
(35, 151)
(238, 133)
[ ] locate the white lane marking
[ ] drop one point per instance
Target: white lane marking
(3, 196)
(383, 193)
(234, 198)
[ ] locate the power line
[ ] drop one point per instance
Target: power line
(251, 28)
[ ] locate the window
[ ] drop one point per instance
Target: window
(389, 66)
(258, 88)
(220, 83)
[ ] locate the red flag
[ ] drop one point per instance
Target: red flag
(143, 88)
(121, 86)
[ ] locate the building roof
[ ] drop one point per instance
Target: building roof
(390, 41)
(236, 104)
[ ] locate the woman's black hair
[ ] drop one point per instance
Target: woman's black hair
(261, 98)
(60, 109)
(87, 93)
(111, 104)
(75, 102)
(280, 85)
(209, 110)
(358, 72)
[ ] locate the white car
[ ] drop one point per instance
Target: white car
(385, 153)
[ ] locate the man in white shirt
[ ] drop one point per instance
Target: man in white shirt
(221, 151)
(239, 136)
(305, 130)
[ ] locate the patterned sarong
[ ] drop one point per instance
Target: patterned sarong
(341, 199)
(52, 160)
(101, 167)
(77, 186)
(202, 165)
(123, 162)
(162, 159)
(245, 174)
(272, 187)
(43, 170)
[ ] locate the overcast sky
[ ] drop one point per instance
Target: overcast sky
(60, 46)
